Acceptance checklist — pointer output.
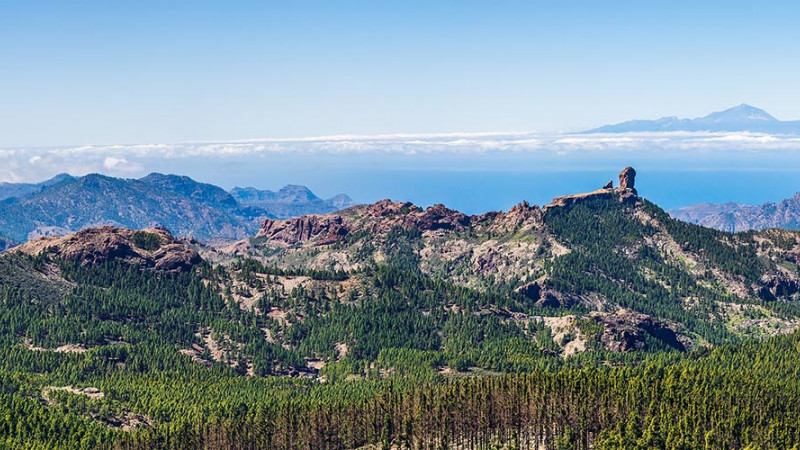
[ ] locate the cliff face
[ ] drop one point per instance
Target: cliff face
(323, 229)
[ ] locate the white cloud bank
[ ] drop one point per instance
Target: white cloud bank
(33, 164)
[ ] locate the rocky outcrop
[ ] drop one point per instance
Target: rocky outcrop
(627, 178)
(437, 217)
(407, 215)
(323, 229)
(624, 193)
(541, 292)
(627, 331)
(520, 217)
(153, 248)
(778, 287)
(388, 208)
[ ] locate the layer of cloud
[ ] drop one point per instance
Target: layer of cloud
(121, 165)
(33, 164)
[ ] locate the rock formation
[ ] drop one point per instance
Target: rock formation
(627, 179)
(326, 229)
(541, 292)
(625, 192)
(778, 286)
(626, 331)
(153, 248)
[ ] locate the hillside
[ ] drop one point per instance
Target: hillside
(185, 206)
(736, 217)
(317, 322)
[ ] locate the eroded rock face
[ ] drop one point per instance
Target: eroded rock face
(778, 287)
(627, 178)
(439, 217)
(154, 248)
(627, 331)
(326, 229)
(545, 296)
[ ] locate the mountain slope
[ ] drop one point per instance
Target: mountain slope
(736, 217)
(183, 205)
(9, 190)
(742, 118)
(100, 200)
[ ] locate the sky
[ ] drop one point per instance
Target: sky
(132, 72)
(473, 104)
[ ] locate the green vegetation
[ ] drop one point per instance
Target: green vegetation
(147, 241)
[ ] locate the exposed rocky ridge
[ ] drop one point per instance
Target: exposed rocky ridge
(154, 248)
(737, 217)
(379, 217)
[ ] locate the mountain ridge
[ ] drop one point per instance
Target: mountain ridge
(66, 204)
(738, 217)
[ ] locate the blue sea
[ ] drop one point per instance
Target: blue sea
(476, 184)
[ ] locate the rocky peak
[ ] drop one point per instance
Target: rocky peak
(153, 248)
(439, 217)
(387, 208)
(524, 210)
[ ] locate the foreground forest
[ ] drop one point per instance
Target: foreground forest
(594, 322)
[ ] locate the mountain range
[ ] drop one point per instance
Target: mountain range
(742, 118)
(736, 217)
(378, 323)
(189, 208)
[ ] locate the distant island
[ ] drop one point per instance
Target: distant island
(742, 118)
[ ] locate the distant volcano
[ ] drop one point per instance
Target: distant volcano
(742, 118)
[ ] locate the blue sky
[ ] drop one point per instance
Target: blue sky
(113, 72)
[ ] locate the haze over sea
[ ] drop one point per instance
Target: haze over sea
(476, 184)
